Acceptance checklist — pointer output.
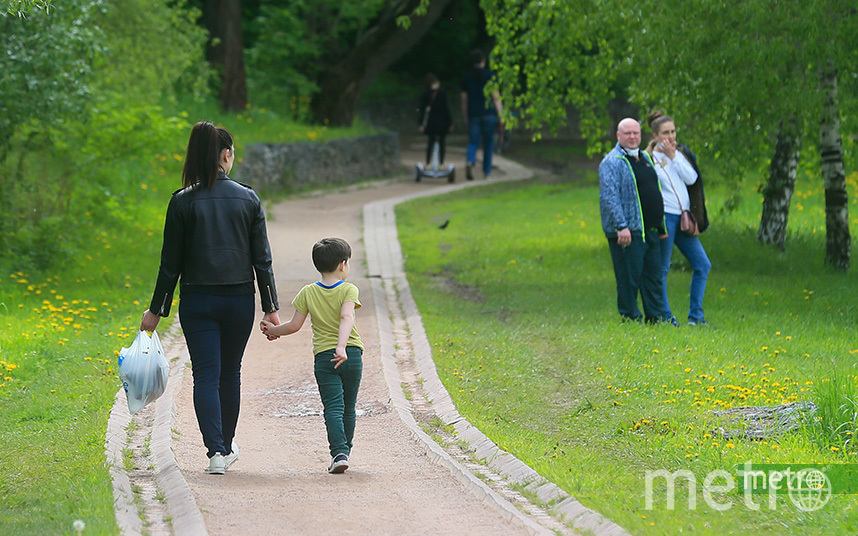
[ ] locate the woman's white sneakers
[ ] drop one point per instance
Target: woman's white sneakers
(218, 464)
(230, 459)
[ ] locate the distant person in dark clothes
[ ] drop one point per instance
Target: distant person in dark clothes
(435, 119)
(481, 114)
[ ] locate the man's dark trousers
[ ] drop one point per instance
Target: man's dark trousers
(637, 268)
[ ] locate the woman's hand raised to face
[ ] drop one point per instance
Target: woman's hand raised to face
(668, 147)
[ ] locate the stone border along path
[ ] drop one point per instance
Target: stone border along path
(152, 497)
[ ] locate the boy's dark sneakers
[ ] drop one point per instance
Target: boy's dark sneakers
(469, 172)
(339, 464)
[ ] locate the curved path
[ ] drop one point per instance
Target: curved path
(401, 480)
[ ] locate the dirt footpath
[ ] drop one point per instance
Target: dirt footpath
(280, 484)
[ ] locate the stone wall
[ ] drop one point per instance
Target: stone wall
(296, 166)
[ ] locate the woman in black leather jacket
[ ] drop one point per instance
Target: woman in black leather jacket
(215, 240)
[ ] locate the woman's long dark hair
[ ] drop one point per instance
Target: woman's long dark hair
(202, 162)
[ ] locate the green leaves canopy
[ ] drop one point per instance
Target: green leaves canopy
(730, 72)
(555, 54)
(82, 86)
(727, 71)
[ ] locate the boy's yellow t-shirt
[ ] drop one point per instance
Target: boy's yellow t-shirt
(324, 304)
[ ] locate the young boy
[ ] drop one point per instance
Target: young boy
(331, 302)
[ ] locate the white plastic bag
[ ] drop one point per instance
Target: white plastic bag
(144, 370)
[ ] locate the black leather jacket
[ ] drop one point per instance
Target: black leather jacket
(215, 239)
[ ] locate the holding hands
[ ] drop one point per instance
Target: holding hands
(273, 329)
(266, 326)
(269, 321)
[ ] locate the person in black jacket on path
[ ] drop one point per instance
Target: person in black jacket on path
(435, 119)
(215, 240)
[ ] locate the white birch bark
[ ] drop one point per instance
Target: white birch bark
(778, 191)
(838, 240)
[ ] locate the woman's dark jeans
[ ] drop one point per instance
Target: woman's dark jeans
(216, 329)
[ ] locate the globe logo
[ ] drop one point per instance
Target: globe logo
(809, 489)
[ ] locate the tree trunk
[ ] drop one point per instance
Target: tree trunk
(778, 191)
(838, 241)
(226, 52)
(345, 79)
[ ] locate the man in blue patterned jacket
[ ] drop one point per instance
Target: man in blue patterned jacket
(632, 212)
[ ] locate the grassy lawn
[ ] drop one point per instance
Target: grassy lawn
(518, 298)
(61, 330)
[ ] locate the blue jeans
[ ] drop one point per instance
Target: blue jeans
(482, 127)
(691, 247)
(338, 388)
(216, 329)
(637, 270)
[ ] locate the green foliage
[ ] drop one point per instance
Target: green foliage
(730, 73)
(21, 8)
(293, 43)
(550, 56)
(283, 64)
(155, 51)
(444, 49)
(47, 66)
(85, 85)
(526, 338)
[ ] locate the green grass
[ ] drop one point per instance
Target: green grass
(518, 298)
(61, 330)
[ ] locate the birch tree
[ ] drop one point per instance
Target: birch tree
(838, 239)
(756, 78)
